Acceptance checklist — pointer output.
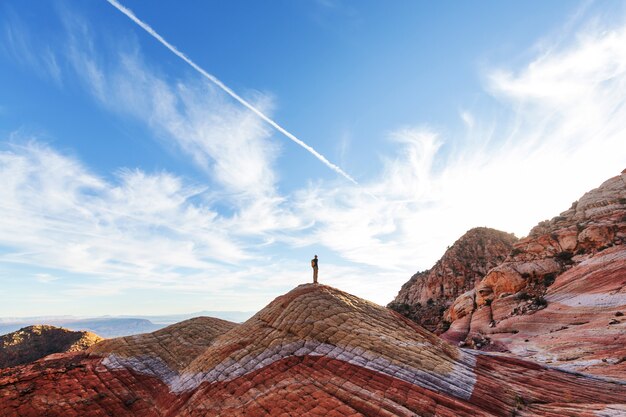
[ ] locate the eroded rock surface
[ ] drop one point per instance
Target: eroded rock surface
(426, 296)
(315, 351)
(174, 346)
(561, 294)
(34, 342)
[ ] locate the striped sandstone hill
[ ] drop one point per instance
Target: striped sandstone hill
(315, 351)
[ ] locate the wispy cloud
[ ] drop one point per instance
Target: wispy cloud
(57, 214)
(19, 43)
(216, 134)
(45, 278)
(467, 118)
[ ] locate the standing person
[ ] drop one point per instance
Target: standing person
(314, 266)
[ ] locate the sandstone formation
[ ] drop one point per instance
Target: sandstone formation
(174, 346)
(34, 342)
(560, 296)
(428, 294)
(315, 351)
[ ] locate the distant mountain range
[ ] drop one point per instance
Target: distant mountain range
(115, 326)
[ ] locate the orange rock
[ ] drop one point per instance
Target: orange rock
(498, 281)
(462, 306)
(568, 239)
(597, 235)
(428, 293)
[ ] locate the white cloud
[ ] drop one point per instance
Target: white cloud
(467, 118)
(57, 214)
(45, 278)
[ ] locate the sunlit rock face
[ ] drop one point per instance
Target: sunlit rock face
(560, 296)
(34, 342)
(315, 351)
(428, 294)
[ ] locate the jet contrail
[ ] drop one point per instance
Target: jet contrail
(228, 91)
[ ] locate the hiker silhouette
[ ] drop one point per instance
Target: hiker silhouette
(314, 266)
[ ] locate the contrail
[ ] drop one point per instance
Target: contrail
(228, 91)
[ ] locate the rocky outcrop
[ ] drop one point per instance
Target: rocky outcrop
(560, 295)
(426, 296)
(315, 351)
(34, 342)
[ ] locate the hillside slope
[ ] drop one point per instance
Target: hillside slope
(34, 342)
(315, 351)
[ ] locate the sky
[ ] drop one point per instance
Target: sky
(200, 165)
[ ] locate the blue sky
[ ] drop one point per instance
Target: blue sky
(131, 184)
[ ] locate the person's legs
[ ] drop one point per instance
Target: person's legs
(314, 275)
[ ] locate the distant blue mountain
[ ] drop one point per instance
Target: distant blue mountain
(234, 316)
(105, 327)
(116, 326)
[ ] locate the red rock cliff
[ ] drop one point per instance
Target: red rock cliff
(426, 296)
(561, 294)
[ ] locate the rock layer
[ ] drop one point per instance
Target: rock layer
(316, 351)
(428, 294)
(34, 342)
(561, 294)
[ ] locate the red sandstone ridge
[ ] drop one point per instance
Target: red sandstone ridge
(34, 342)
(560, 296)
(315, 351)
(428, 294)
